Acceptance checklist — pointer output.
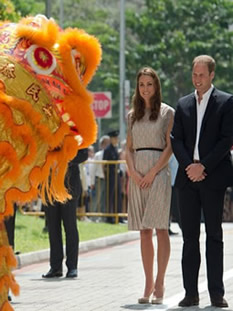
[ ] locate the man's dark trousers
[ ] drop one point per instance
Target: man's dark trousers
(192, 199)
(65, 213)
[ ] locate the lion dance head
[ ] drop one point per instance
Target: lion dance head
(45, 117)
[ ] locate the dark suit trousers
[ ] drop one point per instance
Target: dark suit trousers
(57, 214)
(114, 195)
(193, 198)
(10, 228)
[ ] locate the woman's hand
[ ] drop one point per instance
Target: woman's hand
(137, 177)
(147, 180)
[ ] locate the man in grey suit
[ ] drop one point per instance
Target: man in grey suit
(202, 137)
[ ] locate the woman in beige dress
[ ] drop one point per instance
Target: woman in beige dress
(148, 151)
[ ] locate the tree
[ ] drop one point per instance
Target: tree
(7, 11)
(168, 34)
(29, 7)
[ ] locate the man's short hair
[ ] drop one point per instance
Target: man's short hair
(205, 59)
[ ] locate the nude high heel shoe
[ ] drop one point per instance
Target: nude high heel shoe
(144, 300)
(157, 300)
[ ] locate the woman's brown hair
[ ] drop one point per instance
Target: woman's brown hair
(138, 104)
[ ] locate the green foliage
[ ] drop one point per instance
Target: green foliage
(7, 11)
(29, 7)
(168, 34)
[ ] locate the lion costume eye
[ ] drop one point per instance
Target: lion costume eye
(41, 60)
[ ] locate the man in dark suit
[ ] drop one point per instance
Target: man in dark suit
(202, 137)
(65, 212)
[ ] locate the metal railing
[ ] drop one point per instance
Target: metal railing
(104, 198)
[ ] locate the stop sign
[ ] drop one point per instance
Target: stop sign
(102, 104)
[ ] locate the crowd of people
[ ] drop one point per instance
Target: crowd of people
(177, 161)
(104, 183)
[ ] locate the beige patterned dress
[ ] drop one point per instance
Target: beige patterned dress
(150, 208)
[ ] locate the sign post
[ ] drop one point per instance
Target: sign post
(122, 71)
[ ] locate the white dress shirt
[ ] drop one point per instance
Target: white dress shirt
(83, 176)
(97, 168)
(173, 164)
(201, 108)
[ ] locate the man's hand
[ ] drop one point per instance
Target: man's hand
(195, 172)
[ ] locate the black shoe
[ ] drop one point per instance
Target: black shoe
(189, 301)
(72, 273)
(170, 232)
(218, 301)
(53, 273)
(9, 298)
(123, 221)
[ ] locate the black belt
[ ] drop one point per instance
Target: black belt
(156, 149)
(196, 161)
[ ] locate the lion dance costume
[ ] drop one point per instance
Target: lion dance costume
(45, 117)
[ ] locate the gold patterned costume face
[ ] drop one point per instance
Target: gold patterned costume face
(45, 112)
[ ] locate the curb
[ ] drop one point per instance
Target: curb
(43, 255)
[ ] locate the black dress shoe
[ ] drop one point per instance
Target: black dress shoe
(53, 273)
(189, 301)
(170, 232)
(72, 273)
(218, 301)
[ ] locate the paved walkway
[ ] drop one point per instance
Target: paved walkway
(111, 279)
